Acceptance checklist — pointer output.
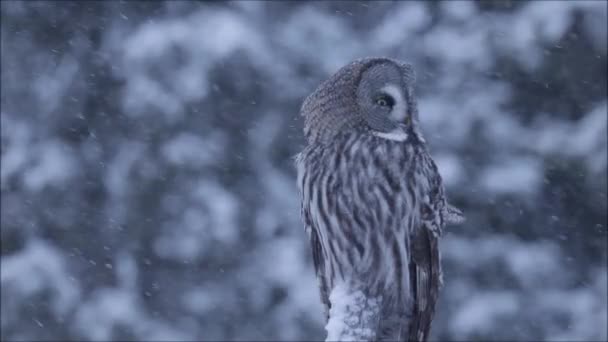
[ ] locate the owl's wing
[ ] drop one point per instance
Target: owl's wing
(425, 264)
(425, 278)
(317, 259)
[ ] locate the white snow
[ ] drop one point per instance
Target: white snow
(39, 266)
(189, 149)
(514, 175)
(353, 316)
(480, 312)
(203, 38)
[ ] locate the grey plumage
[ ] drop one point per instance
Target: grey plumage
(373, 202)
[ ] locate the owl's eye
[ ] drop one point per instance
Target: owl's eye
(385, 100)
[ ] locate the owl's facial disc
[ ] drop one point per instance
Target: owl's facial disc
(382, 99)
(398, 109)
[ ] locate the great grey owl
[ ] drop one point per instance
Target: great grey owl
(373, 203)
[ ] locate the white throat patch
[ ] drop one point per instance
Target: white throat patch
(396, 135)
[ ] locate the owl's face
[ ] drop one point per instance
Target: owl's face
(384, 96)
(374, 94)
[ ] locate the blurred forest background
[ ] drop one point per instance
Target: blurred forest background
(148, 187)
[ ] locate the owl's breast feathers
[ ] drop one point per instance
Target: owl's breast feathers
(373, 209)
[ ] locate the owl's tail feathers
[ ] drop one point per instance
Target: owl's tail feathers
(453, 215)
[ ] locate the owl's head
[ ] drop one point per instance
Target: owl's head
(374, 95)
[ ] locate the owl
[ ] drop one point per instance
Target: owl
(372, 203)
